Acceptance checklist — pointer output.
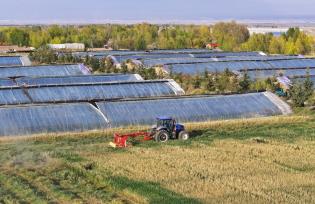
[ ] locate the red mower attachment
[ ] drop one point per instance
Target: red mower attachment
(120, 141)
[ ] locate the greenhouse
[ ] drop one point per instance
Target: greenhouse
(77, 117)
(188, 60)
(13, 96)
(80, 79)
(7, 82)
(57, 93)
(103, 91)
(263, 74)
(45, 70)
(104, 54)
(239, 65)
(11, 61)
(42, 119)
(193, 109)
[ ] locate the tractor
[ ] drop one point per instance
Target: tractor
(166, 128)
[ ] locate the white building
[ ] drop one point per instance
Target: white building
(68, 46)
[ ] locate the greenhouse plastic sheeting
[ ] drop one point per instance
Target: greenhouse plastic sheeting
(156, 62)
(103, 91)
(263, 74)
(197, 68)
(13, 96)
(6, 82)
(40, 119)
(123, 58)
(293, 63)
(195, 109)
(10, 61)
(77, 79)
(226, 54)
(49, 70)
(187, 60)
(126, 52)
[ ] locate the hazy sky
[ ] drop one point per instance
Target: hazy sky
(91, 10)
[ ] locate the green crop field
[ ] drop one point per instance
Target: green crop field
(241, 161)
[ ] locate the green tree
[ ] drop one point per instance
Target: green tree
(298, 95)
(308, 85)
(301, 92)
(230, 35)
(18, 37)
(244, 83)
(44, 55)
(140, 43)
(277, 45)
(258, 42)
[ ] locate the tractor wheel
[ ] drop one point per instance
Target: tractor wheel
(183, 135)
(162, 136)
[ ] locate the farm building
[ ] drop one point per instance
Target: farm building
(68, 46)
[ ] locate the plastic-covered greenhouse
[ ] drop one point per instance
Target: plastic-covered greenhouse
(88, 92)
(193, 109)
(73, 117)
(64, 80)
(6, 82)
(127, 52)
(227, 54)
(40, 119)
(188, 60)
(46, 70)
(198, 68)
(262, 74)
(239, 65)
(123, 58)
(104, 91)
(10, 61)
(13, 96)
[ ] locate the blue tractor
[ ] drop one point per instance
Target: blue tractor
(166, 128)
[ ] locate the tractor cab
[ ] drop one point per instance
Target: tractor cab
(166, 128)
(166, 122)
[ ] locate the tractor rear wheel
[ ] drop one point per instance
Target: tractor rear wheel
(183, 135)
(162, 136)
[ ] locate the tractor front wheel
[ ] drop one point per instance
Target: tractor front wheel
(183, 135)
(162, 136)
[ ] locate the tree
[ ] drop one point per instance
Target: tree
(140, 43)
(304, 44)
(18, 37)
(210, 86)
(2, 38)
(301, 92)
(244, 83)
(292, 33)
(277, 45)
(230, 35)
(196, 82)
(308, 85)
(298, 95)
(258, 42)
(44, 55)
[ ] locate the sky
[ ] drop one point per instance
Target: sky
(153, 10)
